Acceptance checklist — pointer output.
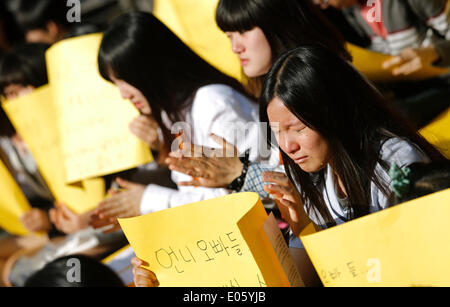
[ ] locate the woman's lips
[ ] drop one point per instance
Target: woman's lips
(244, 62)
(138, 105)
(301, 160)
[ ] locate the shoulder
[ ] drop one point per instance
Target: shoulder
(221, 94)
(403, 152)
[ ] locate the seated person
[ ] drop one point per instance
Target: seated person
(417, 34)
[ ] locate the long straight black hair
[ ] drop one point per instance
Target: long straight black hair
(285, 23)
(332, 98)
(141, 50)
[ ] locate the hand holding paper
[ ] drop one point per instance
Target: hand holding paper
(121, 204)
(411, 60)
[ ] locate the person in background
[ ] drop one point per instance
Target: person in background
(417, 34)
(21, 71)
(46, 21)
(62, 272)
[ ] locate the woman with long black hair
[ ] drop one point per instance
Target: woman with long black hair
(168, 82)
(338, 137)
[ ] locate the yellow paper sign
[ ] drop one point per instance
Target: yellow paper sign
(93, 118)
(13, 204)
(438, 133)
(215, 243)
(370, 64)
(34, 117)
(407, 245)
(194, 21)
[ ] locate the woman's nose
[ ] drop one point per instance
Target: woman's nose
(236, 44)
(290, 145)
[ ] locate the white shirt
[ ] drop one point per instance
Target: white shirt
(216, 109)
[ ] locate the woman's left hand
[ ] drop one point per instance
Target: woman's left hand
(143, 277)
(36, 220)
(67, 221)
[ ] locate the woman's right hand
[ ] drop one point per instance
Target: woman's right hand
(143, 277)
(288, 201)
(145, 128)
(209, 167)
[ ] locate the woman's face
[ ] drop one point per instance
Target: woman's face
(307, 148)
(134, 95)
(253, 50)
(13, 91)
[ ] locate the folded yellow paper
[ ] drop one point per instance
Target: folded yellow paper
(92, 117)
(407, 245)
(215, 243)
(13, 204)
(194, 22)
(438, 133)
(34, 117)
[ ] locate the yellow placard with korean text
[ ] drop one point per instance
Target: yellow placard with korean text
(92, 116)
(438, 133)
(34, 117)
(407, 245)
(13, 204)
(213, 243)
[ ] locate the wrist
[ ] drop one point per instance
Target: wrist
(238, 182)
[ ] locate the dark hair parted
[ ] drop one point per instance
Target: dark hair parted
(92, 274)
(331, 97)
(31, 15)
(24, 65)
(287, 24)
(141, 50)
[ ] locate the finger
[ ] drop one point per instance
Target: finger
(144, 273)
(126, 184)
(188, 171)
(276, 177)
(408, 68)
(392, 62)
(138, 262)
(66, 211)
(113, 229)
(193, 183)
(100, 223)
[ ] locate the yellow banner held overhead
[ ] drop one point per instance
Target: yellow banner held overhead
(407, 245)
(194, 21)
(370, 64)
(34, 117)
(438, 133)
(13, 204)
(92, 116)
(213, 243)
